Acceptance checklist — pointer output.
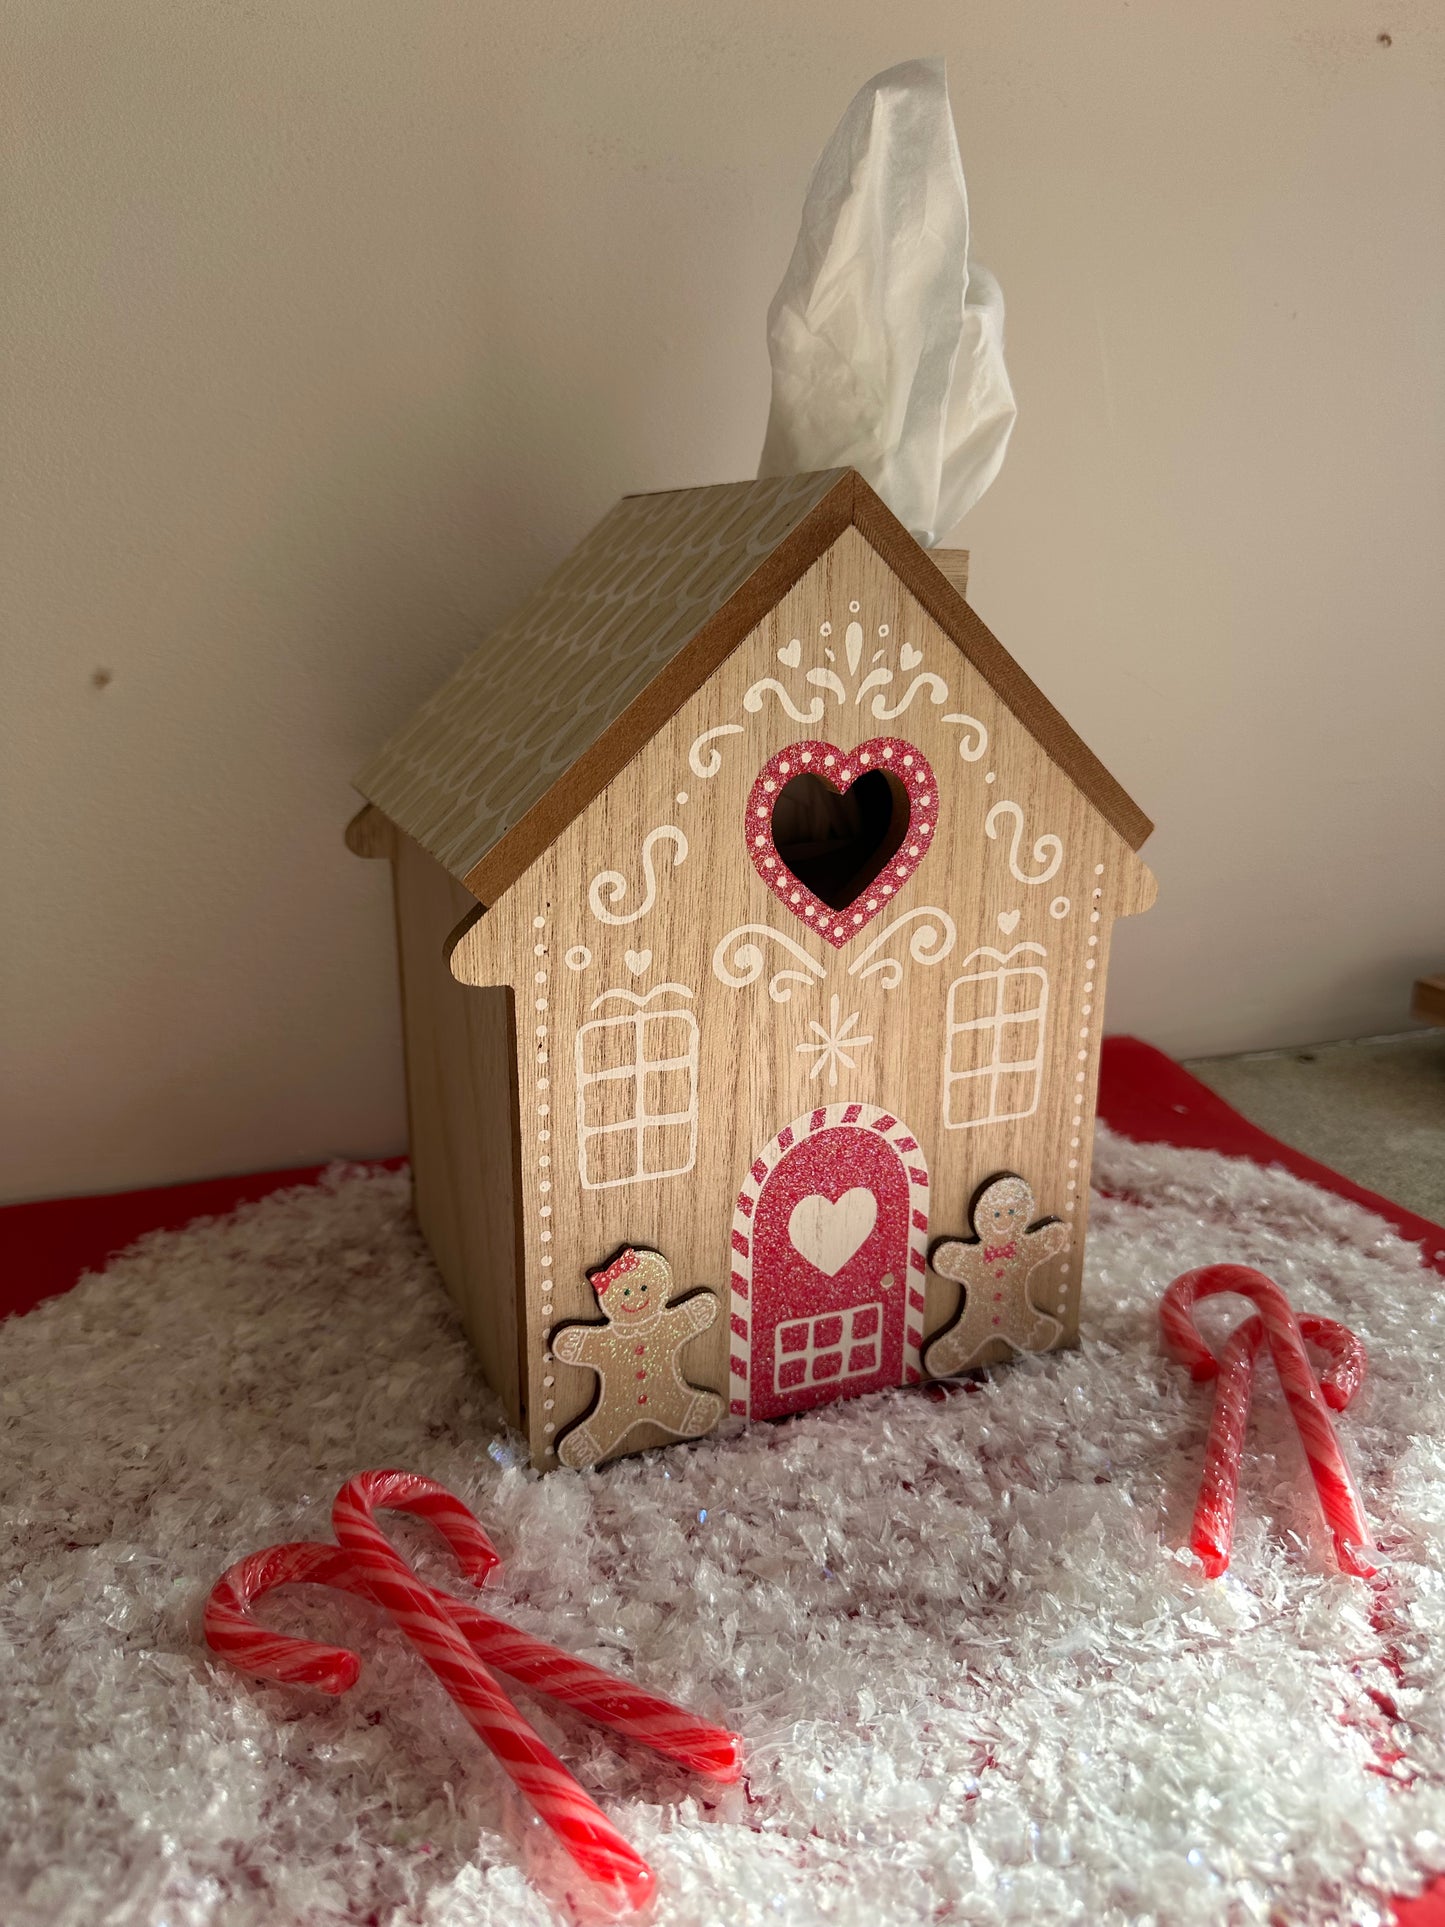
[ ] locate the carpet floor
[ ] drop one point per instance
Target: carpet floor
(975, 1678)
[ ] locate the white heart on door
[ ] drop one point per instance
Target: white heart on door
(791, 654)
(829, 1232)
(1008, 921)
(637, 960)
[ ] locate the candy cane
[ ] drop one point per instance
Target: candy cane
(231, 1632)
(646, 1717)
(365, 1564)
(1212, 1532)
(1308, 1398)
(584, 1830)
(302, 1662)
(627, 1709)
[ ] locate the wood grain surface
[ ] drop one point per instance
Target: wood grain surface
(657, 976)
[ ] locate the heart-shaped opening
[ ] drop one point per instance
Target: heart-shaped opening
(838, 844)
(835, 834)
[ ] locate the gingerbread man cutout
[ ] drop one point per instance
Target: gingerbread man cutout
(994, 1269)
(635, 1357)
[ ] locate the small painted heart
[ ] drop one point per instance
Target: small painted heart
(907, 841)
(909, 657)
(1008, 921)
(637, 961)
(791, 655)
(830, 1231)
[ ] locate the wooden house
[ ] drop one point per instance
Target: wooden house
(754, 909)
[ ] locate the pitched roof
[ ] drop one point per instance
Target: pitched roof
(535, 724)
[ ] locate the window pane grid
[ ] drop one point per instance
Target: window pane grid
(644, 1143)
(832, 1346)
(995, 1057)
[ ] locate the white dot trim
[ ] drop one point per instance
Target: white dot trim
(577, 958)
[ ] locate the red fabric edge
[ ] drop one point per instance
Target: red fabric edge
(46, 1247)
(1146, 1096)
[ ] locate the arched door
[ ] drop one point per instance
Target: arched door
(829, 1238)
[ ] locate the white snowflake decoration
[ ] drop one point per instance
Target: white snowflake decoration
(835, 1042)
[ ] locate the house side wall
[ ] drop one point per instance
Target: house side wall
(969, 1004)
(461, 1100)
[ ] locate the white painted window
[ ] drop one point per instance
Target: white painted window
(833, 1346)
(636, 1097)
(994, 1058)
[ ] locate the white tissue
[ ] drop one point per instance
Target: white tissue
(886, 340)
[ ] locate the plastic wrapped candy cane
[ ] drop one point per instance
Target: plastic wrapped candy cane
(231, 1632)
(1212, 1533)
(454, 1638)
(630, 1710)
(1308, 1397)
(579, 1823)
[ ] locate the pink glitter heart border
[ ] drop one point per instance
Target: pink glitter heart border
(841, 770)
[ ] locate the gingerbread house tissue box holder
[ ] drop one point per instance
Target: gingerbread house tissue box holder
(753, 910)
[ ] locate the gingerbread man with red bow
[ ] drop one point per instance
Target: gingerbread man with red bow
(635, 1357)
(994, 1269)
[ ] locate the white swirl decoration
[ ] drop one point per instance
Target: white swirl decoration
(875, 679)
(611, 887)
(702, 759)
(1048, 850)
(825, 679)
(753, 701)
(736, 962)
(937, 693)
(929, 943)
(975, 739)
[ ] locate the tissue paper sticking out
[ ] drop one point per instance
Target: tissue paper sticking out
(886, 340)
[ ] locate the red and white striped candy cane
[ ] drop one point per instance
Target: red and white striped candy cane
(1308, 1398)
(1212, 1533)
(630, 1710)
(231, 1632)
(646, 1717)
(589, 1836)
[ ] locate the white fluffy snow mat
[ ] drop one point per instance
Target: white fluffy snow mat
(975, 1677)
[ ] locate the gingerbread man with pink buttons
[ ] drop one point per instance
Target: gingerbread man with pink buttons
(635, 1356)
(994, 1268)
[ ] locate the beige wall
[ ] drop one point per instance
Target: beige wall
(332, 325)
